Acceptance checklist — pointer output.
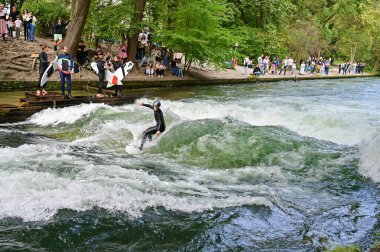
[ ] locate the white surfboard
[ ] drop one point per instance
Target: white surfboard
(116, 77)
(94, 67)
(49, 71)
(64, 65)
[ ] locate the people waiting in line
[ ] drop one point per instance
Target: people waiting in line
(65, 72)
(116, 64)
(44, 63)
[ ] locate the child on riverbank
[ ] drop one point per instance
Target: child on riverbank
(18, 24)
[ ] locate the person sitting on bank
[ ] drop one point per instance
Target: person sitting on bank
(257, 70)
(149, 70)
(176, 70)
(82, 53)
(160, 69)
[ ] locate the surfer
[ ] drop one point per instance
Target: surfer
(116, 64)
(65, 71)
(160, 122)
(101, 74)
(43, 66)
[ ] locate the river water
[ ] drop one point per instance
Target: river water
(278, 167)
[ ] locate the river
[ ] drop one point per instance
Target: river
(287, 166)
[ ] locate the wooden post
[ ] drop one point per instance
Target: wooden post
(35, 56)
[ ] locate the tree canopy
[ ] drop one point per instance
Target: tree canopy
(213, 31)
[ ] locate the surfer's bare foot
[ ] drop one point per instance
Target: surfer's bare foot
(38, 93)
(44, 92)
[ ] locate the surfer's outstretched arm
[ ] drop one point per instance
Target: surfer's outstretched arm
(140, 103)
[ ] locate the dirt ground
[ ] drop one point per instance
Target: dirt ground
(16, 64)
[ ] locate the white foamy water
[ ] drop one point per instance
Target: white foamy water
(66, 115)
(38, 191)
(369, 158)
(341, 121)
(341, 125)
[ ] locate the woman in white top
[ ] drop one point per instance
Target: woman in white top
(302, 68)
(32, 20)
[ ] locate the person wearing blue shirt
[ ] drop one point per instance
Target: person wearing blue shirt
(66, 70)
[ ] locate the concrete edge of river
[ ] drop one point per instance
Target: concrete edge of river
(16, 85)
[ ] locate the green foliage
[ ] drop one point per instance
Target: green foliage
(208, 31)
(47, 13)
(197, 31)
(108, 20)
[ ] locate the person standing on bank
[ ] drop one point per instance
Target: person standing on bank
(32, 21)
(18, 24)
(3, 22)
(160, 122)
(42, 68)
(25, 17)
(58, 31)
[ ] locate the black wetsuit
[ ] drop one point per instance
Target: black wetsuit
(43, 66)
(160, 125)
(101, 74)
(118, 88)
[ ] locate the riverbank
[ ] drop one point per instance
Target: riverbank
(17, 72)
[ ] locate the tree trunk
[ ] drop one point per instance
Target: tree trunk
(73, 5)
(353, 52)
(133, 33)
(76, 25)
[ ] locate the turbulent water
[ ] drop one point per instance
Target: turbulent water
(275, 167)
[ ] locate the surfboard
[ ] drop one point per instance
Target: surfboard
(49, 71)
(94, 67)
(116, 77)
(64, 65)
